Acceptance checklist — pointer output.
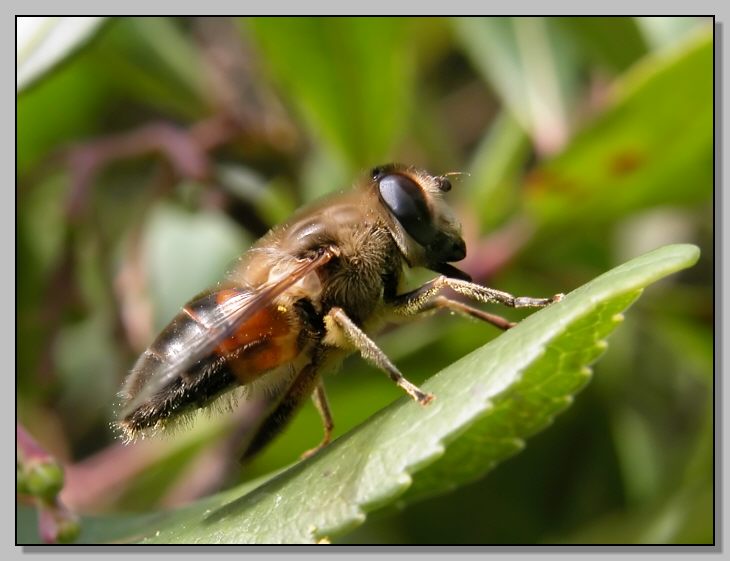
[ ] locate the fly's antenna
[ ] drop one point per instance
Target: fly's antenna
(445, 183)
(456, 173)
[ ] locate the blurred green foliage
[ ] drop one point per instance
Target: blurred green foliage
(601, 126)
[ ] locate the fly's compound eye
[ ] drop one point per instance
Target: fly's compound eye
(407, 203)
(444, 185)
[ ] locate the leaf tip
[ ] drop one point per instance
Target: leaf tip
(687, 253)
(693, 252)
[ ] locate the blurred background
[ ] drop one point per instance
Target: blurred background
(152, 151)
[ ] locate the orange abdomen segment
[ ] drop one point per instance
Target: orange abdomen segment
(267, 340)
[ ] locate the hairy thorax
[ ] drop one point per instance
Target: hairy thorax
(357, 280)
(368, 265)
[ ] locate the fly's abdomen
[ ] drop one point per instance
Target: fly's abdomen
(263, 342)
(188, 389)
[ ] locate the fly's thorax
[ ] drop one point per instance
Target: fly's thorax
(357, 280)
(353, 223)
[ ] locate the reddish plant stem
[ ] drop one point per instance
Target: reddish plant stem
(182, 149)
(492, 253)
(99, 479)
(56, 523)
(28, 448)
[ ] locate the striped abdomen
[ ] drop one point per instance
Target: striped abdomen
(231, 355)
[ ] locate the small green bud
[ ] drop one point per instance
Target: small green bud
(68, 530)
(43, 479)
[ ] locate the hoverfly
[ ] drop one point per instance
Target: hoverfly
(304, 297)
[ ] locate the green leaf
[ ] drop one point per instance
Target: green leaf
(654, 145)
(664, 31)
(532, 68)
(494, 170)
(616, 42)
(487, 404)
(350, 78)
(42, 127)
(151, 62)
(45, 41)
(166, 49)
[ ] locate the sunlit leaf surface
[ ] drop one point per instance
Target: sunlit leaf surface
(45, 41)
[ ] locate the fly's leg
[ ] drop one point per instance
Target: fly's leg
(427, 297)
(319, 397)
(370, 352)
(440, 302)
(281, 411)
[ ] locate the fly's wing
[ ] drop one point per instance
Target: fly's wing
(232, 309)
